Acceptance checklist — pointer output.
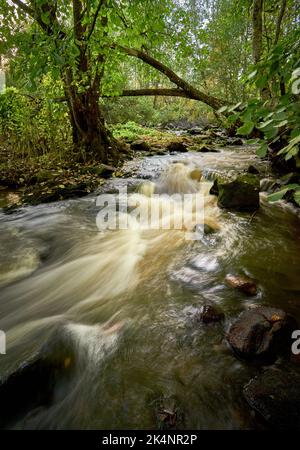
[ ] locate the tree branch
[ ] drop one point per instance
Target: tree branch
(93, 24)
(279, 21)
(158, 91)
(189, 90)
(25, 8)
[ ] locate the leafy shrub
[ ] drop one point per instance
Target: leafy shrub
(32, 126)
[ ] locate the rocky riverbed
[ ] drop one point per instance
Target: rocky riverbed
(146, 329)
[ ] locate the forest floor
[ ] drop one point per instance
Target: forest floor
(46, 178)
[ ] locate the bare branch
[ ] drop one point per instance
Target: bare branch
(93, 24)
(25, 8)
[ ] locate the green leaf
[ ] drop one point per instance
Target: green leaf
(295, 133)
(280, 194)
(252, 75)
(45, 18)
(262, 150)
(277, 195)
(293, 152)
(222, 109)
(265, 124)
(233, 117)
(261, 82)
(297, 196)
(281, 124)
(234, 107)
(246, 128)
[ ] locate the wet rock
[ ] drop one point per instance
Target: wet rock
(207, 229)
(275, 397)
(236, 141)
(103, 170)
(252, 169)
(195, 131)
(214, 190)
(169, 415)
(176, 146)
(261, 333)
(269, 185)
(140, 145)
(209, 313)
(32, 384)
(240, 194)
(242, 283)
(206, 149)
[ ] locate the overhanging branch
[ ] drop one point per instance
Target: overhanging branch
(163, 91)
(190, 91)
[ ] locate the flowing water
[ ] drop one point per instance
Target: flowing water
(126, 300)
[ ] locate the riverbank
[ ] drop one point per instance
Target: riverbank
(46, 178)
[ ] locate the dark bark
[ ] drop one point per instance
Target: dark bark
(257, 23)
(279, 21)
(257, 30)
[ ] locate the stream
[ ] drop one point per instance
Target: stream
(125, 301)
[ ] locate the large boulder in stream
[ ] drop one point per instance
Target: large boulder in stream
(275, 397)
(32, 384)
(210, 314)
(140, 145)
(177, 146)
(261, 333)
(241, 194)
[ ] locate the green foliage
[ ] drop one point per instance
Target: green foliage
(282, 192)
(131, 131)
(33, 125)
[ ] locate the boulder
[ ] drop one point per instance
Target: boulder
(194, 131)
(242, 283)
(103, 170)
(32, 383)
(214, 190)
(140, 145)
(209, 313)
(208, 229)
(241, 194)
(176, 146)
(236, 141)
(207, 149)
(275, 397)
(252, 169)
(261, 333)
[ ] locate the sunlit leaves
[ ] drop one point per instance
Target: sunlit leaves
(246, 128)
(262, 150)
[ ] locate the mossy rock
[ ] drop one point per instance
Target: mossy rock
(241, 194)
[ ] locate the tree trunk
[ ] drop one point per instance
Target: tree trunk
(90, 135)
(257, 22)
(257, 30)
